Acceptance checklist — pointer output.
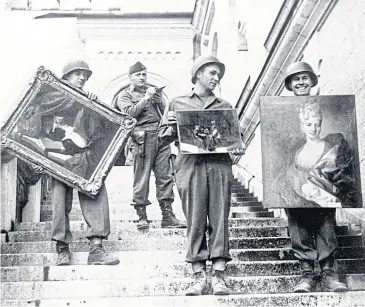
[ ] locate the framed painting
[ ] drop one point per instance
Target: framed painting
(208, 131)
(76, 140)
(310, 152)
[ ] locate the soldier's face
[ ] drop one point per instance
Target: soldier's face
(139, 78)
(209, 76)
(301, 84)
(78, 78)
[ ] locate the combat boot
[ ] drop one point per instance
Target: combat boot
(142, 215)
(329, 280)
(169, 219)
(97, 255)
(63, 252)
(307, 281)
(218, 283)
(199, 284)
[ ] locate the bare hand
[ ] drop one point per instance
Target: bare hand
(151, 91)
(91, 96)
(157, 97)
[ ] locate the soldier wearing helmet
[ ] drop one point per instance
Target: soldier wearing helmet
(95, 211)
(203, 182)
(307, 224)
(145, 104)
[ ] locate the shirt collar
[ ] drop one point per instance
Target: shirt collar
(192, 93)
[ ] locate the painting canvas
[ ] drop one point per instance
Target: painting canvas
(74, 139)
(208, 131)
(310, 152)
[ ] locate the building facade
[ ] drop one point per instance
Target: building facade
(256, 39)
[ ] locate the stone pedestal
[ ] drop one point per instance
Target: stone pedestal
(8, 191)
(31, 211)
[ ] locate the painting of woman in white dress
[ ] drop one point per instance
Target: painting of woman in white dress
(310, 155)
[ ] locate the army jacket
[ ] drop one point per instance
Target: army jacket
(146, 113)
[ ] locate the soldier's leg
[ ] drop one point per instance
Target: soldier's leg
(219, 182)
(192, 184)
(164, 187)
(162, 170)
(61, 206)
(301, 227)
(61, 196)
(325, 236)
(142, 171)
(96, 215)
(327, 246)
(191, 181)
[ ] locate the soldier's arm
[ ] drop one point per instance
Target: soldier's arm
(167, 131)
(125, 104)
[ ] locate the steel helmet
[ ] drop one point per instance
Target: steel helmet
(203, 60)
(74, 65)
(298, 67)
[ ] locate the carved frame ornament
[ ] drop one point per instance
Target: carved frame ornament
(112, 127)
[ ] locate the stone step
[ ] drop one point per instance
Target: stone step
(246, 203)
(148, 269)
(322, 299)
(147, 242)
(243, 197)
(152, 242)
(151, 287)
(248, 208)
(81, 225)
(251, 214)
(120, 233)
(165, 256)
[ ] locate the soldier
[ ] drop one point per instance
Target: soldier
(95, 211)
(308, 225)
(203, 182)
(145, 104)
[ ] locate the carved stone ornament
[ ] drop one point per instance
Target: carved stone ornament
(74, 139)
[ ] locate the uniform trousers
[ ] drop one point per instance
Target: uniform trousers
(312, 233)
(95, 212)
(204, 183)
(156, 159)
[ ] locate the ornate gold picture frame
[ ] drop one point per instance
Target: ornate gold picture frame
(76, 140)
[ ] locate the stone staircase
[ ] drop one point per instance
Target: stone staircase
(152, 271)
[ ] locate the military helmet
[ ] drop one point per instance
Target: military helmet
(298, 67)
(74, 65)
(203, 60)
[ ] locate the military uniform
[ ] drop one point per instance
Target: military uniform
(312, 230)
(204, 183)
(152, 156)
(95, 212)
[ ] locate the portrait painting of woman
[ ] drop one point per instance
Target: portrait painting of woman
(321, 172)
(311, 153)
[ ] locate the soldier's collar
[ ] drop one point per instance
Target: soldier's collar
(192, 93)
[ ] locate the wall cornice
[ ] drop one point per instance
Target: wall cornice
(113, 31)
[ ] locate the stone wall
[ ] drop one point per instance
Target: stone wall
(336, 52)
